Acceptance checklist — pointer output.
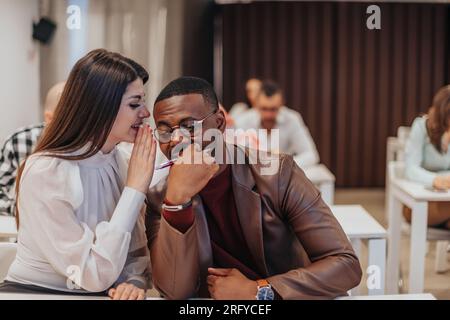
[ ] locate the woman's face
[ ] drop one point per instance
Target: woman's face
(132, 113)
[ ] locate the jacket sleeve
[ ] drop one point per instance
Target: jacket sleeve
(334, 267)
(173, 255)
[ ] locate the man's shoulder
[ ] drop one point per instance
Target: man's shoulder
(291, 115)
(24, 131)
(248, 119)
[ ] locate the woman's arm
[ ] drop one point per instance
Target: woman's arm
(137, 266)
(50, 193)
(414, 155)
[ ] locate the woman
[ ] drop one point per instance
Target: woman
(79, 203)
(427, 155)
(252, 88)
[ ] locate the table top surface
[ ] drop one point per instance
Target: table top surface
(357, 222)
(319, 173)
(419, 296)
(418, 192)
(27, 296)
(7, 227)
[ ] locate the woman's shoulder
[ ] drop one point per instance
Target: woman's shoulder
(420, 121)
(44, 162)
(54, 177)
(420, 125)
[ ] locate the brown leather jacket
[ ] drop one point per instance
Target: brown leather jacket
(296, 242)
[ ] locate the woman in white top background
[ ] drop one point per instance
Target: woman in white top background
(427, 155)
(79, 212)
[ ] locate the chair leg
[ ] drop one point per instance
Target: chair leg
(440, 263)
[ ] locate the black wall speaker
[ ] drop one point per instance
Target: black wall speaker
(44, 30)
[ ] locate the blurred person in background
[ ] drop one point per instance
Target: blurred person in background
(270, 113)
(252, 87)
(244, 138)
(20, 145)
(427, 156)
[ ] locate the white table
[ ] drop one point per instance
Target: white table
(420, 296)
(8, 227)
(28, 296)
(24, 296)
(323, 179)
(359, 225)
(415, 196)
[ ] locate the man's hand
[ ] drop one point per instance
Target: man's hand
(230, 284)
(126, 291)
(190, 174)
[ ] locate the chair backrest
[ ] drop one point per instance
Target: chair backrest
(7, 255)
(396, 170)
(403, 133)
(402, 136)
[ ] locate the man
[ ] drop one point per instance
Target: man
(18, 146)
(230, 232)
(269, 113)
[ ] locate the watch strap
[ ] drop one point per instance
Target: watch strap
(173, 208)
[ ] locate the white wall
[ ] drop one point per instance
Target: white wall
(19, 66)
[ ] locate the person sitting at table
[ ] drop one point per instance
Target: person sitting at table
(18, 146)
(79, 204)
(230, 229)
(269, 113)
(427, 155)
(252, 87)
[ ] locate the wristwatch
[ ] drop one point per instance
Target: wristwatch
(179, 207)
(265, 291)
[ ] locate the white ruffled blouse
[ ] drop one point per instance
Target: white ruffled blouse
(80, 228)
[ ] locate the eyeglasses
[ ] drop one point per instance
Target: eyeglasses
(188, 128)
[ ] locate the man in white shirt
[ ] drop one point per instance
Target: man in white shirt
(269, 113)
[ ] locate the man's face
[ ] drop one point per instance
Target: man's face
(268, 108)
(176, 110)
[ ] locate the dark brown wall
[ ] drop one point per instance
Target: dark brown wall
(198, 36)
(353, 86)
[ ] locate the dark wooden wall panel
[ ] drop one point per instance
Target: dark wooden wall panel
(353, 86)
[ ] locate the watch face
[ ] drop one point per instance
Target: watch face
(265, 293)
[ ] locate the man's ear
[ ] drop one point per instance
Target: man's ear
(221, 121)
(48, 116)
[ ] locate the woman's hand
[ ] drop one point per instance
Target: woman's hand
(126, 291)
(441, 182)
(142, 161)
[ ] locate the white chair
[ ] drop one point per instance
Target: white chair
(7, 255)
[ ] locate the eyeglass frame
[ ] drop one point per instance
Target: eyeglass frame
(172, 129)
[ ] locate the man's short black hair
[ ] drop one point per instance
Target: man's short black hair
(189, 85)
(270, 88)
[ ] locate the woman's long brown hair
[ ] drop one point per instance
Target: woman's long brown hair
(439, 117)
(87, 108)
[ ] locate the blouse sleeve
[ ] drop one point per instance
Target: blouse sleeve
(50, 192)
(137, 265)
(414, 155)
